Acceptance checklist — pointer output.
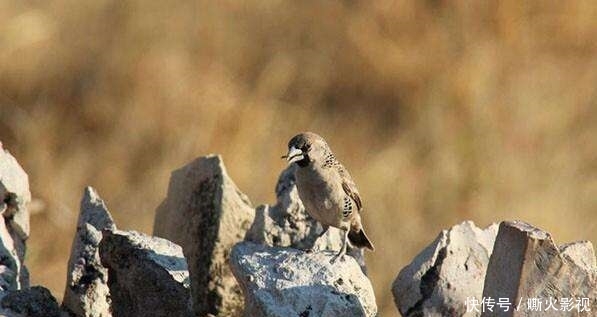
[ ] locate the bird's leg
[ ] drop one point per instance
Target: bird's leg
(343, 249)
(325, 230)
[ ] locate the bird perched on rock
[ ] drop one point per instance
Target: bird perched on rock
(326, 189)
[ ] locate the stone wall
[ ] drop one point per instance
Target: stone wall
(214, 254)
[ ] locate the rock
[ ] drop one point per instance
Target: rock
(14, 191)
(32, 302)
(527, 264)
(206, 214)
(287, 224)
(581, 253)
(11, 265)
(14, 230)
(147, 276)
(440, 278)
(281, 282)
(87, 293)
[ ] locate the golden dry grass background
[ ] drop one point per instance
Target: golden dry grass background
(442, 110)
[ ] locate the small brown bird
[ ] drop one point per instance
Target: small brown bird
(326, 189)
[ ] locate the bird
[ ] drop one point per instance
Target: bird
(327, 190)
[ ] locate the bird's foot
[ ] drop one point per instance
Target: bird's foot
(311, 249)
(339, 256)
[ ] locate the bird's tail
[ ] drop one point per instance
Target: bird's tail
(359, 239)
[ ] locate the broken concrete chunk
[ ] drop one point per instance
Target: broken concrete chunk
(281, 282)
(87, 293)
(527, 264)
(440, 278)
(206, 214)
(287, 224)
(32, 302)
(147, 276)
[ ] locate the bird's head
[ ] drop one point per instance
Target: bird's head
(306, 148)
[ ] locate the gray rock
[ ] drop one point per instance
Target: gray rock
(287, 224)
(580, 253)
(87, 293)
(147, 276)
(10, 262)
(14, 191)
(206, 214)
(527, 264)
(32, 302)
(281, 282)
(14, 229)
(440, 278)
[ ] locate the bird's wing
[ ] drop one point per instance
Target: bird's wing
(350, 188)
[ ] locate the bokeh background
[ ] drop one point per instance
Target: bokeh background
(442, 110)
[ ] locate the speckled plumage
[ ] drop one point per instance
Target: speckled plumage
(326, 188)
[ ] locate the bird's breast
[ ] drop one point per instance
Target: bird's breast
(322, 196)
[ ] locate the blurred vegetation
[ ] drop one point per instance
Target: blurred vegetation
(442, 110)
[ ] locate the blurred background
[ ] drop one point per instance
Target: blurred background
(442, 110)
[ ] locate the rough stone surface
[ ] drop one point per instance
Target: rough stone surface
(287, 224)
(10, 262)
(439, 280)
(87, 293)
(32, 302)
(527, 264)
(206, 214)
(281, 282)
(14, 229)
(14, 191)
(147, 276)
(581, 253)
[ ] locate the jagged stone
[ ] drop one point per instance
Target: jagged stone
(526, 264)
(14, 229)
(14, 191)
(36, 301)
(440, 278)
(10, 262)
(147, 276)
(281, 282)
(287, 224)
(206, 214)
(87, 293)
(581, 253)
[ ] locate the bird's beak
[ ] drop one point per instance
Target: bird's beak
(293, 155)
